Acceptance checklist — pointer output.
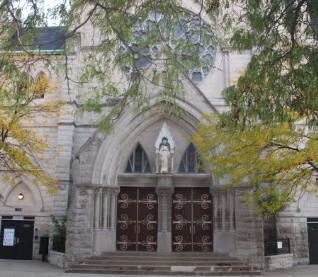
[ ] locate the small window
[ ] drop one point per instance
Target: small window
(40, 86)
(189, 162)
(138, 161)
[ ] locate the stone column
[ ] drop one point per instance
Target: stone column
(98, 193)
(105, 208)
(172, 161)
(113, 197)
(232, 209)
(215, 196)
(164, 192)
(223, 203)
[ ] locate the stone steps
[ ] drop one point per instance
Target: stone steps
(168, 262)
(145, 263)
(169, 258)
(164, 267)
(162, 254)
(178, 273)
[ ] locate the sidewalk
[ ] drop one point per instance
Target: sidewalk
(13, 268)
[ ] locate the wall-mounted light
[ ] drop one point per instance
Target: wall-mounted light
(20, 196)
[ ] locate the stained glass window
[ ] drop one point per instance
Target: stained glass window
(189, 161)
(138, 161)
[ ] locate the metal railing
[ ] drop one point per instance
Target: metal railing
(277, 247)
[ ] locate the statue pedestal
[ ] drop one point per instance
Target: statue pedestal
(164, 180)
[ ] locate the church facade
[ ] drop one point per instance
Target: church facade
(138, 188)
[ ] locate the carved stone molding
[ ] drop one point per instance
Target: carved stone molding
(105, 191)
(191, 184)
(113, 191)
(98, 191)
(136, 184)
(83, 191)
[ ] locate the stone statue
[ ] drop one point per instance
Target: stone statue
(164, 155)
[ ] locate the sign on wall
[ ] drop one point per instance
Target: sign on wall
(8, 237)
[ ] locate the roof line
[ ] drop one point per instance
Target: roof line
(57, 51)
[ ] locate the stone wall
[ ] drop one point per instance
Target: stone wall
(249, 233)
(294, 228)
(79, 237)
(57, 258)
(277, 262)
(41, 229)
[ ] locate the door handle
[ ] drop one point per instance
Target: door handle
(18, 240)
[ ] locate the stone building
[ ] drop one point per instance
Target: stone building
(137, 188)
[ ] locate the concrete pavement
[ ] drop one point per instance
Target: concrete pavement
(13, 268)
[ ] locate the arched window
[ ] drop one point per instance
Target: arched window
(138, 161)
(189, 161)
(40, 86)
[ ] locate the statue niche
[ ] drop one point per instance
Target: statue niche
(164, 151)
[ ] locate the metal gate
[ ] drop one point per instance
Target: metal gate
(192, 220)
(137, 216)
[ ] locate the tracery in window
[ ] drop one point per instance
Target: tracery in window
(138, 161)
(189, 161)
(40, 86)
(190, 29)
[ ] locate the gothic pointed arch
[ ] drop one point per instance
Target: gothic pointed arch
(138, 161)
(189, 161)
(27, 184)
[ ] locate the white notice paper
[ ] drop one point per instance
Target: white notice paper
(279, 245)
(8, 237)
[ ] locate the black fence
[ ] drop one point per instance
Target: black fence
(277, 247)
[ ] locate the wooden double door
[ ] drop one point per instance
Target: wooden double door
(16, 241)
(192, 219)
(137, 219)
